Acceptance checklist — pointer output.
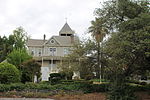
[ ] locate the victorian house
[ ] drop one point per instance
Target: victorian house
(51, 52)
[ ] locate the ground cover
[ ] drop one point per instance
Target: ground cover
(68, 90)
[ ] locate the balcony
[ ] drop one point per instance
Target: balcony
(48, 58)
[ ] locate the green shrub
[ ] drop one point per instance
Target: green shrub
(31, 85)
(9, 73)
(82, 82)
(98, 80)
(55, 78)
(120, 91)
(44, 82)
(99, 87)
(45, 87)
(4, 87)
(89, 77)
(134, 81)
(55, 75)
(17, 86)
(140, 87)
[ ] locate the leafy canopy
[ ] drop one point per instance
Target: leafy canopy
(17, 57)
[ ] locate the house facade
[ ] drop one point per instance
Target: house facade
(51, 52)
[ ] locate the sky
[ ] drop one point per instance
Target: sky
(39, 17)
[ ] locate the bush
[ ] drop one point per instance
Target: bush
(17, 86)
(30, 85)
(89, 77)
(98, 80)
(55, 75)
(140, 87)
(9, 73)
(4, 87)
(66, 75)
(55, 78)
(45, 87)
(120, 91)
(99, 87)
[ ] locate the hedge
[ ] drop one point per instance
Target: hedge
(84, 87)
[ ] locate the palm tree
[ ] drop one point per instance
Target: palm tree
(98, 32)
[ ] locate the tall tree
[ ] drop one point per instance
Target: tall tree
(20, 37)
(15, 41)
(98, 31)
(6, 46)
(127, 49)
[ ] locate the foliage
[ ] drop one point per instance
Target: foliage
(98, 31)
(17, 57)
(16, 40)
(55, 78)
(30, 68)
(16, 86)
(6, 46)
(9, 73)
(120, 92)
(82, 86)
(89, 77)
(126, 51)
(66, 75)
(78, 59)
(20, 37)
(98, 80)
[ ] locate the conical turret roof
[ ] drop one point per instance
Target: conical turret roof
(66, 29)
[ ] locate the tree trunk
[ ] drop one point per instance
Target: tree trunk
(98, 59)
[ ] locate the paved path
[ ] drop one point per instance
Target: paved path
(25, 99)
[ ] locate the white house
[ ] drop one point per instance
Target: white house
(51, 52)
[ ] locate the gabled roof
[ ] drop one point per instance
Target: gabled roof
(66, 29)
(56, 42)
(35, 42)
(62, 40)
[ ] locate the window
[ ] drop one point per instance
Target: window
(53, 51)
(52, 41)
(32, 53)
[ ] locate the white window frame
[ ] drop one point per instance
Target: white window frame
(52, 51)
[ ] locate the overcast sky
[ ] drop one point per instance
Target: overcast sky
(40, 17)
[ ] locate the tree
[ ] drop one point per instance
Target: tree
(79, 60)
(20, 37)
(6, 46)
(127, 50)
(98, 31)
(9, 73)
(15, 41)
(17, 57)
(30, 68)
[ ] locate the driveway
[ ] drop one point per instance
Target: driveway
(25, 99)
